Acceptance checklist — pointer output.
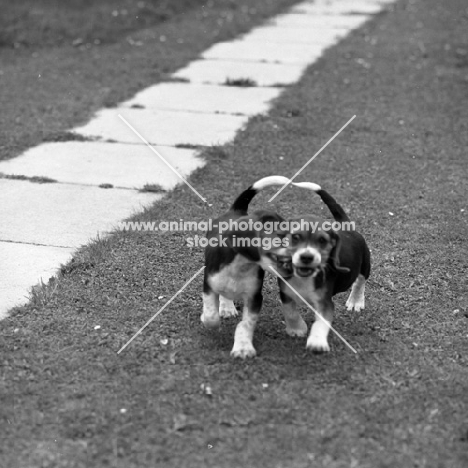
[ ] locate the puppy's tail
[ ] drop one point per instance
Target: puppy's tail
(242, 202)
(336, 210)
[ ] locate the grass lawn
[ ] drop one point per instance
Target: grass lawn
(51, 23)
(61, 61)
(399, 170)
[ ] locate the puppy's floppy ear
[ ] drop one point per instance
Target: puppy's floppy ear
(334, 258)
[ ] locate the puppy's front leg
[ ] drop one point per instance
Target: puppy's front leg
(210, 316)
(243, 337)
(295, 325)
(317, 341)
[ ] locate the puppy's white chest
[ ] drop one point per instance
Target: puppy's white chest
(236, 280)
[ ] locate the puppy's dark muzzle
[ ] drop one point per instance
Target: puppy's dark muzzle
(283, 264)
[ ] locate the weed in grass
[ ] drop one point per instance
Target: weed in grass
(41, 294)
(65, 136)
(294, 113)
(71, 266)
(34, 179)
(187, 146)
(42, 180)
(240, 82)
(110, 103)
(216, 153)
(88, 257)
(155, 188)
(176, 79)
(13, 176)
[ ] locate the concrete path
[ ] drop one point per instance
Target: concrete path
(42, 224)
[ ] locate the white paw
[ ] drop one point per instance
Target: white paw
(318, 344)
(356, 304)
(298, 330)
(227, 308)
(243, 350)
(210, 321)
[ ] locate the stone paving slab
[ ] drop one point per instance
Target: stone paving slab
(245, 50)
(96, 163)
(262, 74)
(325, 37)
(160, 127)
(318, 21)
(205, 98)
(63, 215)
(24, 265)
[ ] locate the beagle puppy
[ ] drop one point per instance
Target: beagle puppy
(240, 247)
(325, 262)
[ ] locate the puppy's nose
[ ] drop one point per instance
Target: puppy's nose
(307, 258)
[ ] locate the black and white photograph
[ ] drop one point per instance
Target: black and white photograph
(233, 234)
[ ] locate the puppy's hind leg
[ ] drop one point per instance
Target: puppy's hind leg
(356, 299)
(227, 307)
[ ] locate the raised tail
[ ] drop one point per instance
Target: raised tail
(241, 204)
(336, 210)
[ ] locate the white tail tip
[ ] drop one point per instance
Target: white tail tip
(270, 181)
(308, 186)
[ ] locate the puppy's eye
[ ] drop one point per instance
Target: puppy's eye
(296, 237)
(322, 241)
